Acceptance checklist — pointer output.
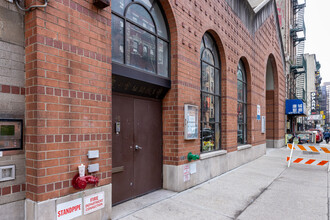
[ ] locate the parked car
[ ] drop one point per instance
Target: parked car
(304, 137)
(319, 135)
(301, 139)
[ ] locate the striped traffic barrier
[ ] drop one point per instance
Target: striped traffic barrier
(308, 161)
(316, 149)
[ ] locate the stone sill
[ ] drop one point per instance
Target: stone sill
(243, 147)
(204, 156)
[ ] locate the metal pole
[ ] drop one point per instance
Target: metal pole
(291, 154)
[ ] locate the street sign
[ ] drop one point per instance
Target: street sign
(314, 117)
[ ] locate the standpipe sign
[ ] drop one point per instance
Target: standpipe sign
(69, 210)
(74, 208)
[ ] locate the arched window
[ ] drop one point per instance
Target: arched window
(210, 95)
(139, 36)
(241, 104)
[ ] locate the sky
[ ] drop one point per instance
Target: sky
(317, 22)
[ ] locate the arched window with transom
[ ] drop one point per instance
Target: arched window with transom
(210, 95)
(139, 36)
(241, 104)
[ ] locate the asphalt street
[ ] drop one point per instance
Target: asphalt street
(262, 189)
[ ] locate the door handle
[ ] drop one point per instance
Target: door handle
(137, 147)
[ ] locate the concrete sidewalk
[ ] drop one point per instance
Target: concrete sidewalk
(262, 189)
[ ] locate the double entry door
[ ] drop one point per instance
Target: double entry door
(136, 147)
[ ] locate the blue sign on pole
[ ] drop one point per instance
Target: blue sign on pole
(295, 107)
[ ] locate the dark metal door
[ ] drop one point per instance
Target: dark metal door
(122, 149)
(137, 151)
(148, 142)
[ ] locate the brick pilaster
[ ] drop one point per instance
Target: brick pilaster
(68, 95)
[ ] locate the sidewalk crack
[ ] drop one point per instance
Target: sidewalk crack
(238, 213)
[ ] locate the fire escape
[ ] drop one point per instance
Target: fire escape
(318, 80)
(297, 33)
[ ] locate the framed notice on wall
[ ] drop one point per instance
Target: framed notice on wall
(190, 122)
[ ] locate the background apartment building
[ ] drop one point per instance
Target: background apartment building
(326, 103)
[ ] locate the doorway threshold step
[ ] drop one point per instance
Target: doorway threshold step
(134, 205)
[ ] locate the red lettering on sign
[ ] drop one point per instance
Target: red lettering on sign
(68, 210)
(94, 198)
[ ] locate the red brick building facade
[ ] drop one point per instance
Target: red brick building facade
(69, 98)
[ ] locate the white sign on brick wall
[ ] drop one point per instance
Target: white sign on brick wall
(69, 210)
(186, 173)
(258, 112)
(263, 124)
(93, 202)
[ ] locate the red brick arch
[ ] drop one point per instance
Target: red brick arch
(273, 105)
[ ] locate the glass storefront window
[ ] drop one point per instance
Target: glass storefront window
(140, 48)
(241, 104)
(119, 6)
(210, 96)
(146, 3)
(207, 78)
(162, 58)
(160, 22)
(208, 137)
(117, 41)
(140, 16)
(139, 36)
(240, 92)
(208, 57)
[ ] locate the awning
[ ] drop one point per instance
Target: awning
(295, 107)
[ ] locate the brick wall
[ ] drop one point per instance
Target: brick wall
(237, 38)
(270, 114)
(12, 90)
(68, 95)
(68, 85)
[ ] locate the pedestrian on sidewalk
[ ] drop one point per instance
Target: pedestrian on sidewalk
(326, 135)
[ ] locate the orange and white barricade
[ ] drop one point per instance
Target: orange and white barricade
(309, 161)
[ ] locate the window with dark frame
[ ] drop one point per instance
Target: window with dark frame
(210, 95)
(241, 104)
(139, 36)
